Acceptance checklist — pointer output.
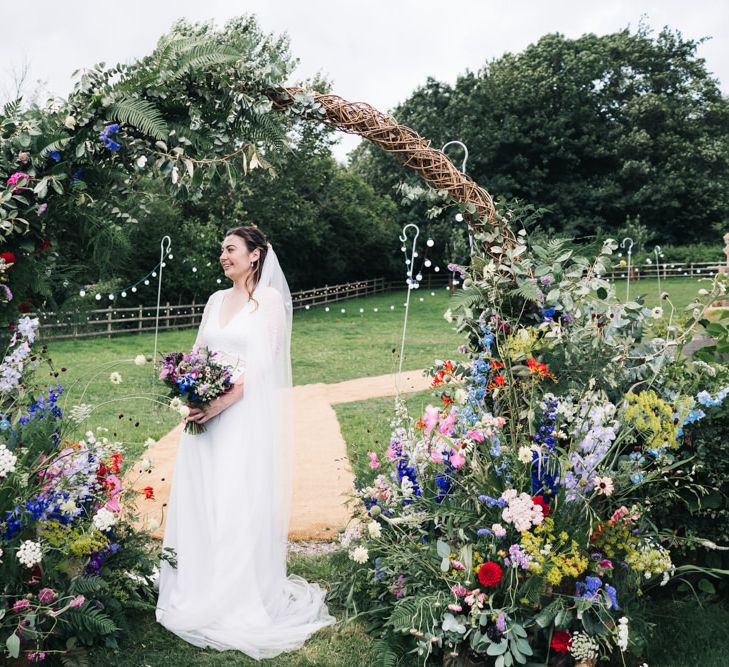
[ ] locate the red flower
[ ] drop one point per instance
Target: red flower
(490, 574)
(9, 257)
(539, 500)
(44, 245)
(561, 641)
(116, 462)
(447, 400)
(420, 424)
(498, 381)
(148, 492)
(496, 364)
(438, 379)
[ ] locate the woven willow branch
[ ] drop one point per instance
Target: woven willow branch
(409, 148)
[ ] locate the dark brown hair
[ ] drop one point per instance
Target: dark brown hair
(253, 238)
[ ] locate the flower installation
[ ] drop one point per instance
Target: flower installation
(511, 522)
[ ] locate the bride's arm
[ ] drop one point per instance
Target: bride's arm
(200, 339)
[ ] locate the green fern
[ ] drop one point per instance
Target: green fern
(532, 589)
(77, 657)
(88, 623)
(528, 290)
(205, 56)
(87, 586)
(58, 143)
(142, 115)
(265, 129)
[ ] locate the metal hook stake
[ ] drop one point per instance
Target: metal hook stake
(163, 252)
(410, 282)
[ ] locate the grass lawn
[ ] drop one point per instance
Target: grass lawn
(327, 347)
(681, 290)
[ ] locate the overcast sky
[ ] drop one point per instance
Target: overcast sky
(376, 51)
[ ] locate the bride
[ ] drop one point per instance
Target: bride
(231, 493)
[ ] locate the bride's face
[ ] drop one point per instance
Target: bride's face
(235, 258)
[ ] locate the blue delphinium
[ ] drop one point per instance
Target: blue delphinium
(545, 471)
(106, 134)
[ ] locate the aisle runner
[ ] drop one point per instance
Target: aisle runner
(322, 477)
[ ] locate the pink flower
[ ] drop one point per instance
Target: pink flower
(604, 486)
(114, 485)
(21, 606)
(16, 178)
(430, 418)
(457, 565)
(436, 456)
(459, 591)
(455, 607)
(605, 564)
(46, 595)
(447, 425)
(77, 601)
(374, 463)
(457, 459)
(475, 435)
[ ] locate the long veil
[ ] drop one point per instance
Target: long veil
(268, 384)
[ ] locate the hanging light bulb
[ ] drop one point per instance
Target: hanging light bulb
(403, 248)
(219, 281)
(124, 294)
(111, 297)
(344, 310)
(170, 256)
(407, 261)
(326, 310)
(163, 264)
(194, 269)
(154, 274)
(146, 282)
(392, 307)
(436, 269)
(98, 297)
(306, 307)
(427, 263)
(375, 309)
(361, 310)
(82, 292)
(419, 276)
(430, 243)
(134, 289)
(459, 217)
(415, 254)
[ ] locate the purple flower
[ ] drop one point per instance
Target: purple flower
(42, 209)
(501, 622)
(46, 595)
(546, 280)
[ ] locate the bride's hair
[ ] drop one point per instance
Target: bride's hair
(254, 238)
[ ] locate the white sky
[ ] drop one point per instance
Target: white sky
(376, 51)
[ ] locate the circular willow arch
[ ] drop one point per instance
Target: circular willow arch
(410, 149)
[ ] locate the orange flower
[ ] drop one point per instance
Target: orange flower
(496, 364)
(538, 369)
(116, 460)
(447, 400)
(498, 381)
(420, 424)
(148, 492)
(438, 379)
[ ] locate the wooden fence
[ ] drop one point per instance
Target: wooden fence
(120, 320)
(668, 270)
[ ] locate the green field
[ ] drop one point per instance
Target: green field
(326, 347)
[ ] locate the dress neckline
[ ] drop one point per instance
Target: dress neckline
(238, 312)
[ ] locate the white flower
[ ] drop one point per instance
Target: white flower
(521, 510)
(359, 555)
(604, 486)
(140, 360)
(374, 529)
(7, 461)
(184, 411)
(142, 161)
(30, 553)
(80, 413)
(406, 486)
(149, 442)
(448, 315)
(115, 377)
(145, 465)
(175, 403)
(498, 530)
(152, 524)
(461, 396)
(352, 532)
(623, 634)
(703, 292)
(657, 312)
(1, 554)
(104, 519)
(451, 625)
(70, 122)
(525, 454)
(583, 647)
(68, 507)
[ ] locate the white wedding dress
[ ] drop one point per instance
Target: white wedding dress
(230, 589)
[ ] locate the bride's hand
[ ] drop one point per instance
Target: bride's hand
(200, 416)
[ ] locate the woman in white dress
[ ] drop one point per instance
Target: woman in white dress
(229, 507)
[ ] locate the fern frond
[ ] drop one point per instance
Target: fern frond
(528, 290)
(142, 115)
(205, 56)
(88, 622)
(263, 128)
(58, 143)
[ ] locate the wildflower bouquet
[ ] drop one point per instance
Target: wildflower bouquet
(513, 522)
(195, 380)
(70, 562)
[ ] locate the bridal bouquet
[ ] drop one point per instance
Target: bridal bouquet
(195, 380)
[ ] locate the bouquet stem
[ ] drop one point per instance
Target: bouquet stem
(193, 428)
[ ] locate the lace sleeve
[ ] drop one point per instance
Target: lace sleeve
(200, 339)
(274, 317)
